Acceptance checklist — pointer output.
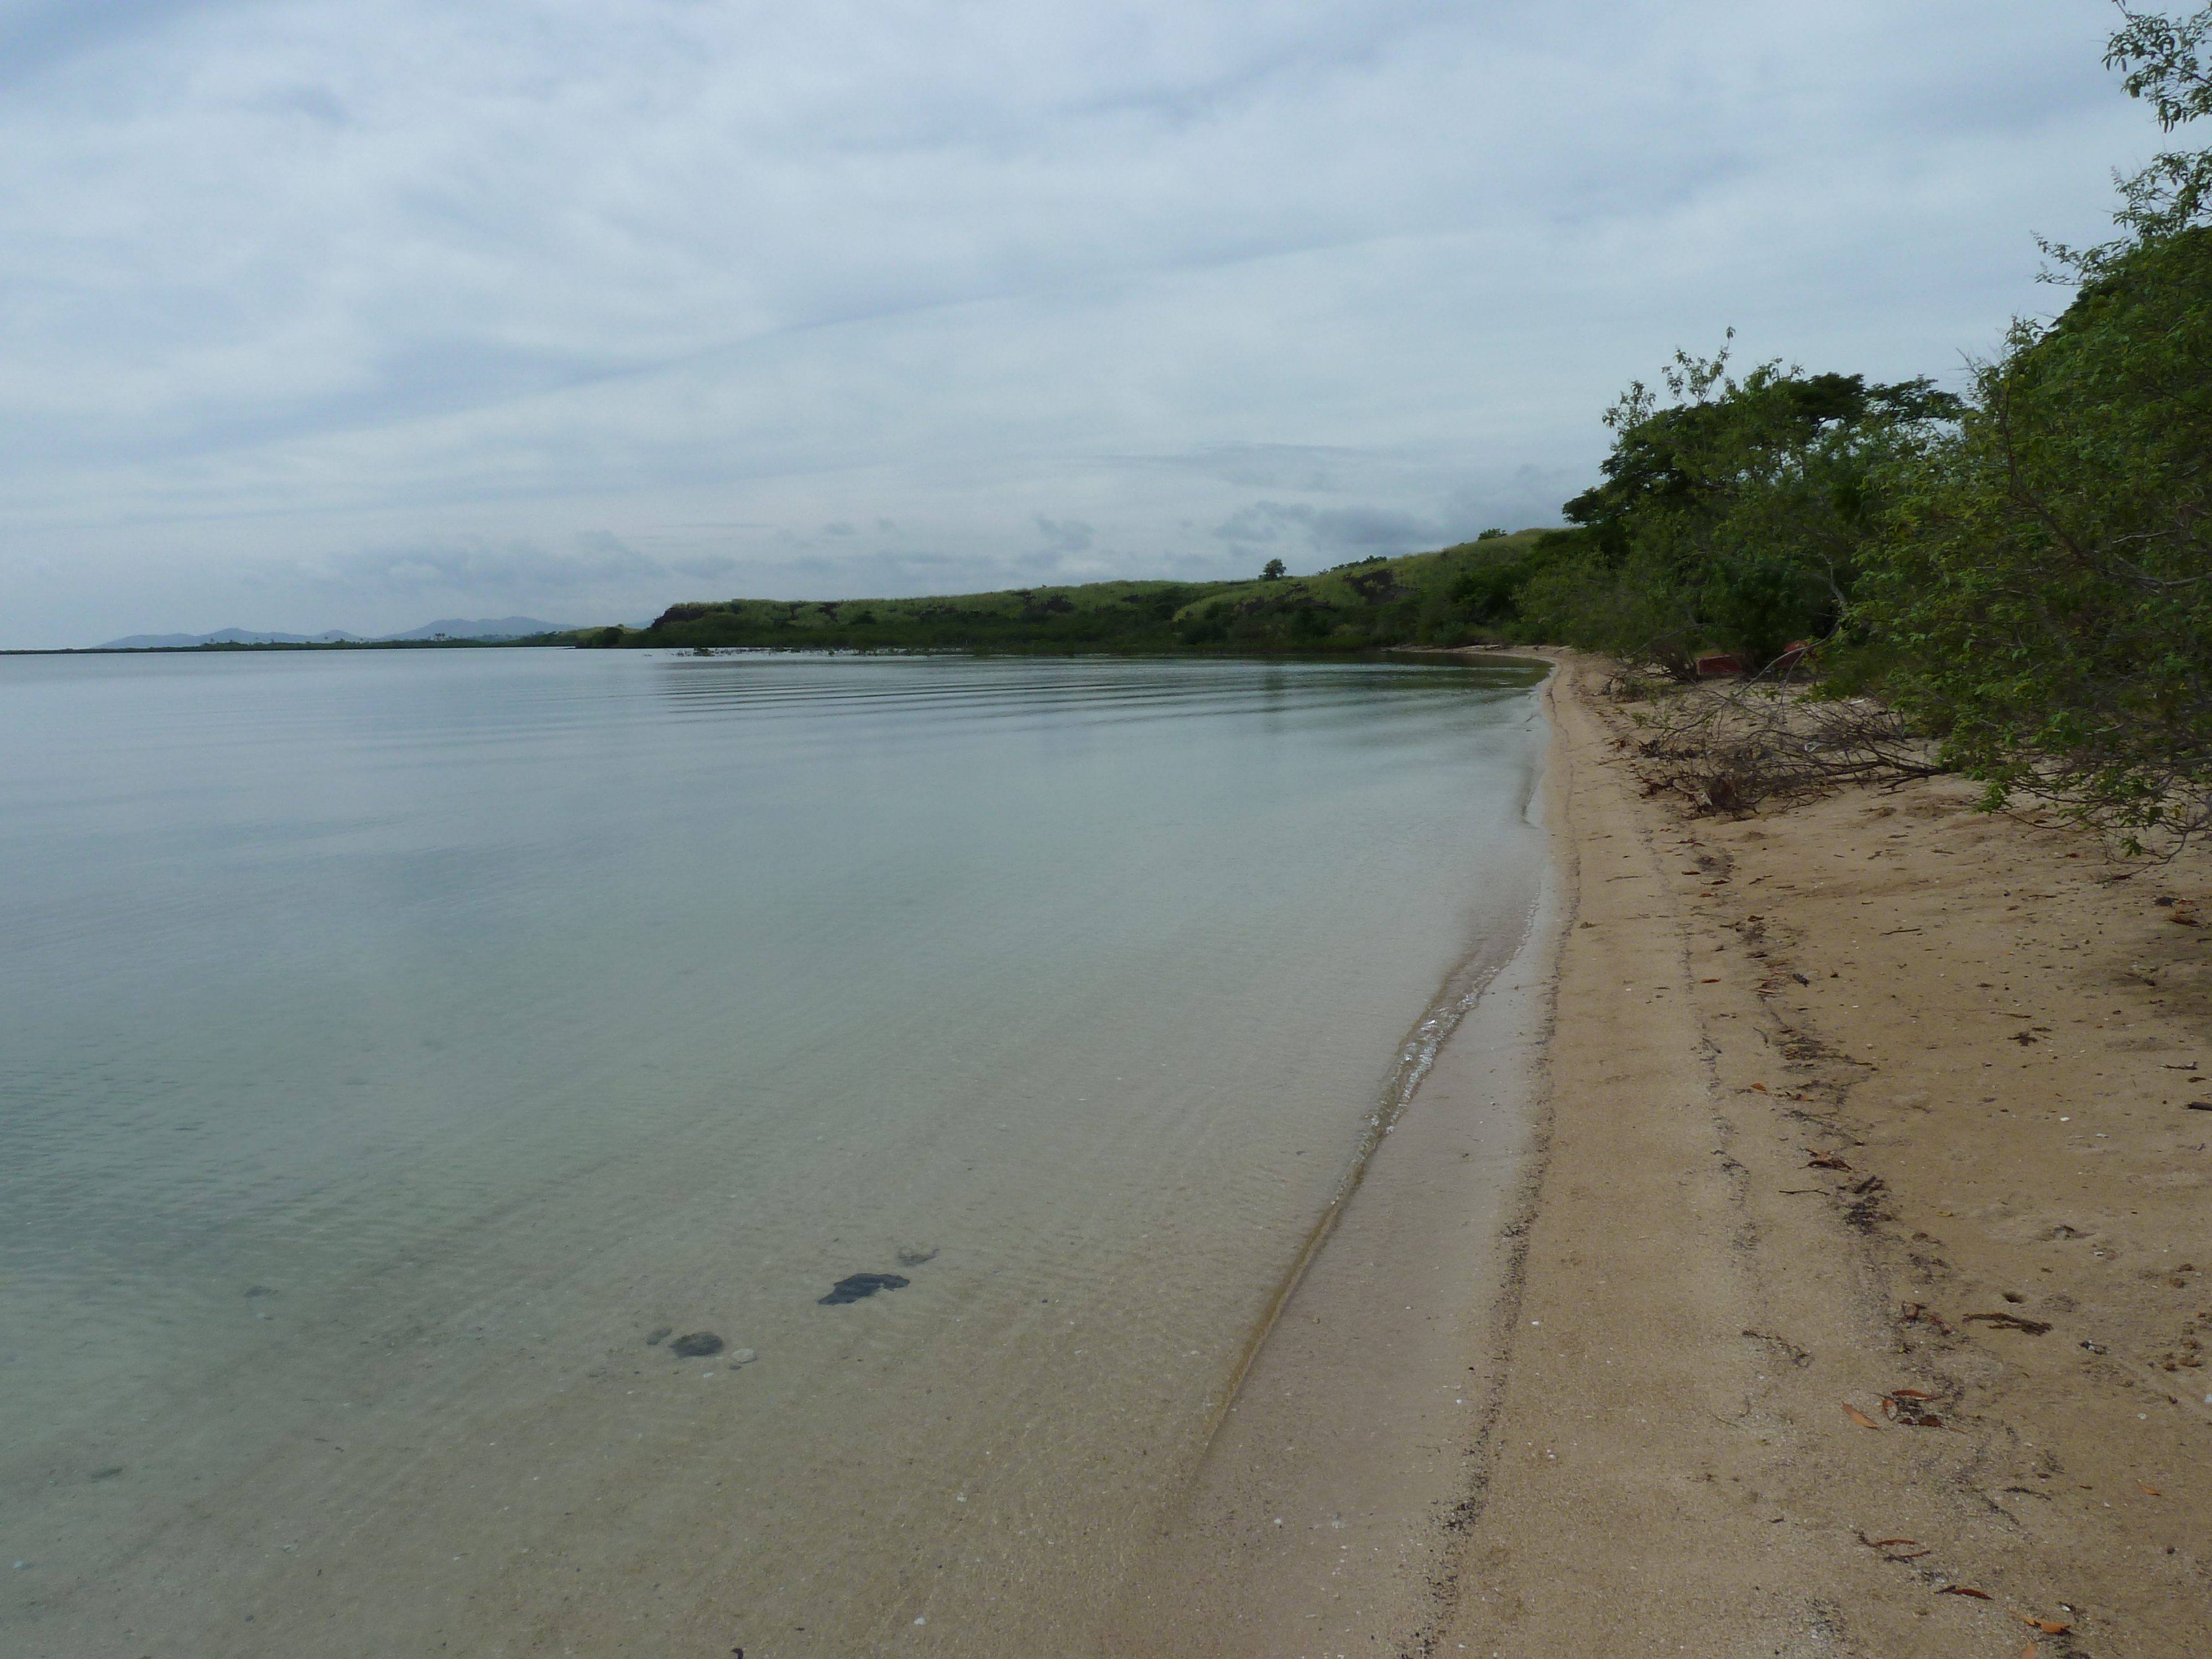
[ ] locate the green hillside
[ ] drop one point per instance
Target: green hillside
(1443, 597)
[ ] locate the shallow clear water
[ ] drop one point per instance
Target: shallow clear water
(392, 1042)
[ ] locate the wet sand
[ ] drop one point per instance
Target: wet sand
(1326, 1514)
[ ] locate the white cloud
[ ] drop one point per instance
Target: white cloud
(330, 307)
(477, 568)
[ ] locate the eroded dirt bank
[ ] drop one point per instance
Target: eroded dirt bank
(1871, 1242)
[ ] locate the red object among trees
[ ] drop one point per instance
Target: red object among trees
(1715, 663)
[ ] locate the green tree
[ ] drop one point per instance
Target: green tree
(2047, 576)
(1274, 571)
(2163, 59)
(2044, 588)
(1734, 515)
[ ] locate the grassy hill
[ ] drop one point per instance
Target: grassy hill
(1443, 597)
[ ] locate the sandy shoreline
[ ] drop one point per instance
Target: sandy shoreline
(1839, 1291)
(1808, 1073)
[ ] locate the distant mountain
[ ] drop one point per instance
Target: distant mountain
(227, 636)
(496, 628)
(453, 628)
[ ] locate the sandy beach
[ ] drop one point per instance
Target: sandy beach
(1868, 1264)
(1854, 1252)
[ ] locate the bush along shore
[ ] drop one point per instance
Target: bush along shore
(2016, 580)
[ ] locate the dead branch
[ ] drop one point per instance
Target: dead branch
(1730, 747)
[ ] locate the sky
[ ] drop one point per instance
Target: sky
(322, 316)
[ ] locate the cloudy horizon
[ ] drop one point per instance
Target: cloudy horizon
(324, 318)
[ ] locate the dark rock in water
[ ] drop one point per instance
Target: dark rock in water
(659, 1336)
(697, 1345)
(860, 1285)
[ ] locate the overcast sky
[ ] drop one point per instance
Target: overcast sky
(350, 316)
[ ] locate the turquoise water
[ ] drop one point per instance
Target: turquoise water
(392, 1043)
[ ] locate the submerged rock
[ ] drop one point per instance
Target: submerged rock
(912, 1255)
(856, 1285)
(659, 1336)
(696, 1346)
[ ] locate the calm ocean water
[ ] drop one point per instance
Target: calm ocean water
(392, 1043)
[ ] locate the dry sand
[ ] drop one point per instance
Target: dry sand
(1873, 1096)
(1856, 1247)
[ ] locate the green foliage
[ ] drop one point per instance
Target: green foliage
(2162, 59)
(1421, 599)
(1733, 516)
(1491, 593)
(2047, 576)
(2163, 63)
(1096, 616)
(1274, 571)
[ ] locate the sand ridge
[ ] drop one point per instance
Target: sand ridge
(1871, 1248)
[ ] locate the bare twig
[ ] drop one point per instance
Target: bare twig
(1731, 747)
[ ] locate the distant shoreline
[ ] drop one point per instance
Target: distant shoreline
(568, 643)
(544, 641)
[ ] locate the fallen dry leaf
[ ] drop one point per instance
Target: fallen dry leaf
(1911, 1548)
(2009, 1321)
(1899, 1406)
(2027, 1652)
(1960, 1589)
(1761, 1087)
(2048, 1627)
(1859, 1416)
(1827, 1161)
(2152, 1491)
(1709, 981)
(1916, 1311)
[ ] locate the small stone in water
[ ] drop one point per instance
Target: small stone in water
(659, 1336)
(696, 1346)
(856, 1285)
(912, 1255)
(741, 1357)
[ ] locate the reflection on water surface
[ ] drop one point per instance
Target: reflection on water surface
(393, 1043)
